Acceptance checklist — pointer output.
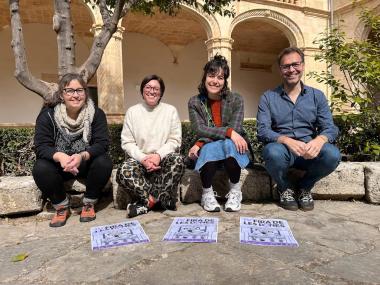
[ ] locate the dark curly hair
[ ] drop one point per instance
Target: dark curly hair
(212, 67)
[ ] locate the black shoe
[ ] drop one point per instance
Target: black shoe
(170, 204)
(305, 200)
(135, 209)
(287, 200)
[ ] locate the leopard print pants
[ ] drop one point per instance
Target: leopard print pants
(162, 184)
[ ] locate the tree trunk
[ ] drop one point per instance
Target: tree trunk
(63, 26)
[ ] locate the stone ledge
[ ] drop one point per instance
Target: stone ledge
(346, 182)
(372, 182)
(351, 180)
(19, 195)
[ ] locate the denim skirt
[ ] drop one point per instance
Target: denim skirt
(220, 150)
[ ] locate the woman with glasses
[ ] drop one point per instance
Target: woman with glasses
(216, 116)
(71, 140)
(151, 138)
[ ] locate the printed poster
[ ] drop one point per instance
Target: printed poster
(266, 232)
(116, 235)
(193, 229)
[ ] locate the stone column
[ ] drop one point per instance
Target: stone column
(221, 46)
(110, 78)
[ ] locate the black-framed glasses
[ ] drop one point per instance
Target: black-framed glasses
(151, 88)
(71, 91)
(295, 65)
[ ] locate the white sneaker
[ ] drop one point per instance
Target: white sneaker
(209, 202)
(233, 203)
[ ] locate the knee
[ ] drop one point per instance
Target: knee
(102, 162)
(330, 155)
(43, 167)
(274, 153)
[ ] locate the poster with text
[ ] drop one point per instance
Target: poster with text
(116, 235)
(270, 232)
(193, 229)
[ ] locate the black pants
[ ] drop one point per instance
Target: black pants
(49, 177)
(207, 172)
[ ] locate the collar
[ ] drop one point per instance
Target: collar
(304, 89)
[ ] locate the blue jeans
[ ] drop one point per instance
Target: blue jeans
(278, 159)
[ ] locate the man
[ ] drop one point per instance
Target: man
(295, 122)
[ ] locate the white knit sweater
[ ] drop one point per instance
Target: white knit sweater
(149, 130)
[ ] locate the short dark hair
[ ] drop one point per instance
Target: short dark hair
(289, 50)
(212, 67)
(150, 78)
(63, 82)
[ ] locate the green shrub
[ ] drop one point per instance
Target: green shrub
(359, 135)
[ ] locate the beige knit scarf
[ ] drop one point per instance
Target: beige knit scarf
(82, 124)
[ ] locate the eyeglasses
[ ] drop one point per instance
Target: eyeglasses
(71, 91)
(295, 65)
(149, 88)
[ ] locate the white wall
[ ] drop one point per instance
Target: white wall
(19, 105)
(143, 55)
(251, 84)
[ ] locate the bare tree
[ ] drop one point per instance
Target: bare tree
(111, 11)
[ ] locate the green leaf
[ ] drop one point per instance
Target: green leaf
(19, 257)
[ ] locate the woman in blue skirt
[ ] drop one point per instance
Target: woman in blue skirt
(216, 116)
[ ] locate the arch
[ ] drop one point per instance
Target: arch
(362, 31)
(208, 22)
(286, 25)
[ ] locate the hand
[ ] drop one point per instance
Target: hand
(193, 152)
(62, 158)
(155, 158)
(73, 164)
(295, 146)
(313, 148)
(149, 165)
(239, 141)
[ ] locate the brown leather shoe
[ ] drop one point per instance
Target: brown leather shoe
(88, 213)
(60, 217)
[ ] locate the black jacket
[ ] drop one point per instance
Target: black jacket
(46, 131)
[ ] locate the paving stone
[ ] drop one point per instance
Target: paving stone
(372, 182)
(19, 195)
(255, 185)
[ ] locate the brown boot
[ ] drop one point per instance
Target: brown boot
(88, 213)
(61, 215)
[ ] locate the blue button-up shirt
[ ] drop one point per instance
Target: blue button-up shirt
(303, 120)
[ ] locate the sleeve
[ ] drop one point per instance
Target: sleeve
(100, 139)
(325, 124)
(175, 136)
(236, 122)
(199, 124)
(128, 141)
(264, 122)
(44, 140)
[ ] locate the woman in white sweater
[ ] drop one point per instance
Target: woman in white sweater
(151, 138)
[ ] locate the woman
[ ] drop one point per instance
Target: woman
(71, 140)
(151, 138)
(216, 116)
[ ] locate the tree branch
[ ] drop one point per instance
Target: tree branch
(89, 67)
(62, 25)
(22, 73)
